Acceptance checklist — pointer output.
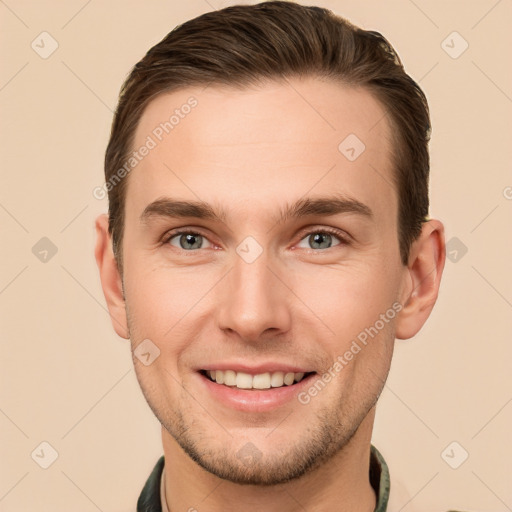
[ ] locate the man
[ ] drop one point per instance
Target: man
(267, 241)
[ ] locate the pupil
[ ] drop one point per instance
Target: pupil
(321, 240)
(190, 240)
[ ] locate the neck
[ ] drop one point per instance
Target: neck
(341, 483)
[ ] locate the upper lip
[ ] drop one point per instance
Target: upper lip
(256, 369)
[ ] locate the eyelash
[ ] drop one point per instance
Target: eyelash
(340, 235)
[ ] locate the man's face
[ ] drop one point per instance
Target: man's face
(256, 293)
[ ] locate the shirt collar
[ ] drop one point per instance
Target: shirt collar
(162, 492)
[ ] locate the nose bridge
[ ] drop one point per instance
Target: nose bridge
(253, 299)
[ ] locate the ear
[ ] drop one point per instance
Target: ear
(111, 281)
(422, 279)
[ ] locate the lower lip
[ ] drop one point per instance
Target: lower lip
(248, 400)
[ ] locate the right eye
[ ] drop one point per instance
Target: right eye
(187, 240)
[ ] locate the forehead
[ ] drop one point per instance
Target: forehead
(262, 145)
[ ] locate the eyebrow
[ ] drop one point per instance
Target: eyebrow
(327, 206)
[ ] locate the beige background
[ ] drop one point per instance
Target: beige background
(67, 379)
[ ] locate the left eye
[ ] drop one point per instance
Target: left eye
(188, 241)
(320, 240)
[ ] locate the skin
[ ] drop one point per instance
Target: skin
(252, 152)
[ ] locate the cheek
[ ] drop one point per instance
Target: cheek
(160, 296)
(170, 306)
(347, 298)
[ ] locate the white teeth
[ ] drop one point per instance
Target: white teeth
(230, 378)
(289, 378)
(261, 381)
(243, 380)
(277, 379)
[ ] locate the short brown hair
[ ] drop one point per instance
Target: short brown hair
(248, 44)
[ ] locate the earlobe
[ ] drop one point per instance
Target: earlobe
(424, 271)
(110, 277)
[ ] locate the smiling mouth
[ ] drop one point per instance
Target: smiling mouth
(262, 381)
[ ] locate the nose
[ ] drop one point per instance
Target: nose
(253, 301)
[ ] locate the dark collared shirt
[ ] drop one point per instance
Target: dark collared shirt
(151, 497)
